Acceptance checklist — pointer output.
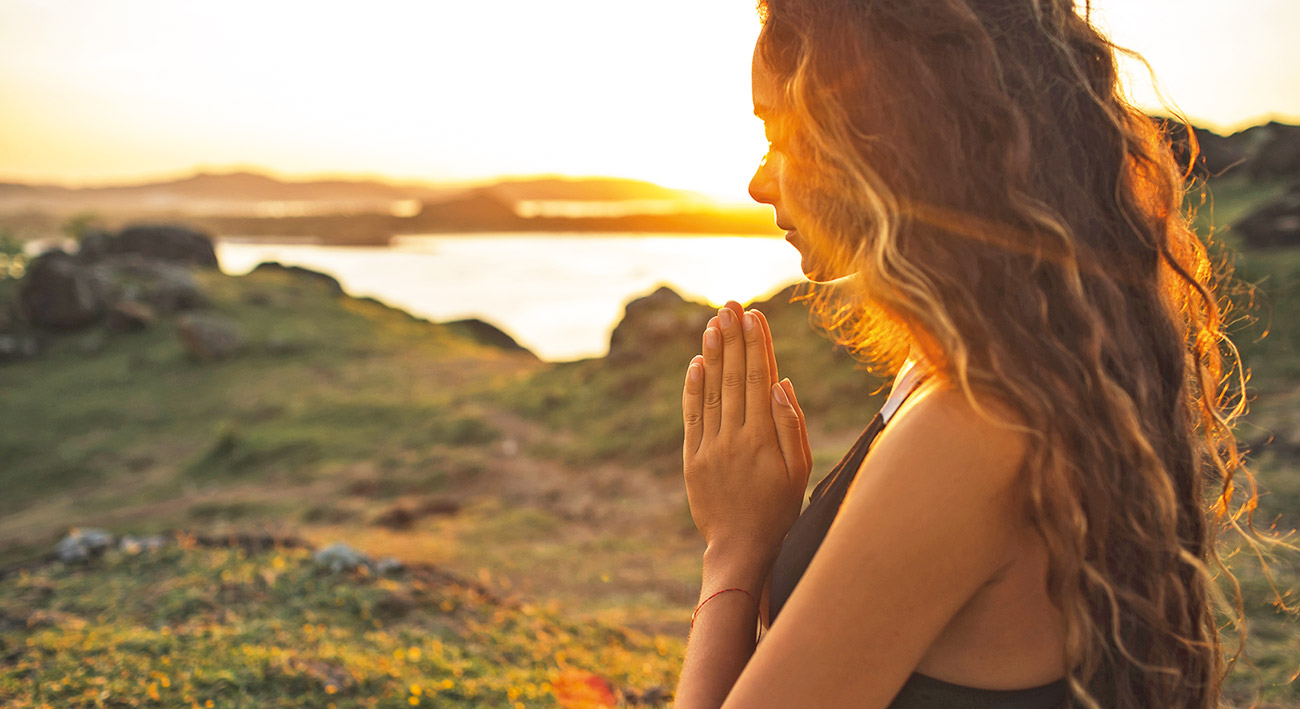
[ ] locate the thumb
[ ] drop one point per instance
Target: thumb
(789, 433)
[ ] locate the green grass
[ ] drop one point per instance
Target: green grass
(356, 381)
(205, 627)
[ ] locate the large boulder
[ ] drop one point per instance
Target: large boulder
(95, 244)
(59, 293)
(655, 322)
(1262, 152)
(330, 282)
(484, 333)
(1275, 150)
(1216, 154)
(209, 337)
(166, 286)
(169, 242)
(1275, 224)
(129, 316)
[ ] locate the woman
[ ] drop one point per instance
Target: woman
(1029, 527)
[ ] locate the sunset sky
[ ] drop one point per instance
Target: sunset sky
(99, 91)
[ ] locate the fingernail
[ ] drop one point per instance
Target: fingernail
(711, 338)
(778, 393)
(693, 372)
(750, 321)
(726, 317)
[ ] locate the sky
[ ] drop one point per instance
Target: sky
(114, 91)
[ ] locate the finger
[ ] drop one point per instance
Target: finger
(767, 342)
(803, 423)
(693, 407)
(758, 382)
(733, 369)
(711, 401)
(788, 431)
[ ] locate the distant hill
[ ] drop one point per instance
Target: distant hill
(370, 212)
(1265, 152)
(1256, 169)
(587, 189)
(242, 194)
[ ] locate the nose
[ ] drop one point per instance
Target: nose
(763, 187)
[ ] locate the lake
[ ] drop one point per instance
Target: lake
(559, 295)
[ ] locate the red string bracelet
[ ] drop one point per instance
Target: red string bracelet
(719, 593)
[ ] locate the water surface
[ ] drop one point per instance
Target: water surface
(559, 295)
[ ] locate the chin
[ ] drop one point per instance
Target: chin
(820, 273)
(814, 268)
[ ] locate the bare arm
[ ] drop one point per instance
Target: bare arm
(931, 516)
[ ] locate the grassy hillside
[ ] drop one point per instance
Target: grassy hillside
(330, 391)
(554, 487)
(189, 626)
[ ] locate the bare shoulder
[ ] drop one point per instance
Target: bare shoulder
(961, 457)
(940, 424)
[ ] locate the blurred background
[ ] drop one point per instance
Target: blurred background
(341, 346)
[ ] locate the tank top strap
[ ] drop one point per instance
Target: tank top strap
(909, 378)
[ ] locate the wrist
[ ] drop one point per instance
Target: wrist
(731, 566)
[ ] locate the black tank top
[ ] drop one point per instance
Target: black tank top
(805, 536)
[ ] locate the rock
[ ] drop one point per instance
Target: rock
(1263, 152)
(83, 544)
(1275, 150)
(139, 545)
(129, 316)
(1275, 224)
(340, 557)
(59, 293)
(394, 604)
(167, 242)
(282, 345)
(1216, 154)
(330, 282)
(210, 337)
(167, 287)
(484, 333)
(94, 244)
(440, 507)
(260, 299)
(16, 347)
(399, 518)
(389, 566)
(661, 319)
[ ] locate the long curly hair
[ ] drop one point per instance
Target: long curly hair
(1010, 214)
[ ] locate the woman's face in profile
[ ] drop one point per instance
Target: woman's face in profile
(775, 183)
